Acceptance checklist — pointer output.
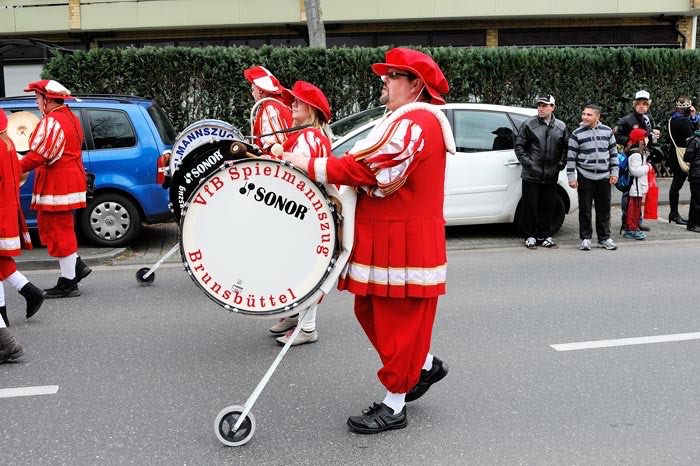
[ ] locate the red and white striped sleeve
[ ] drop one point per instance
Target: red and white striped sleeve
(380, 165)
(271, 120)
(312, 144)
(48, 140)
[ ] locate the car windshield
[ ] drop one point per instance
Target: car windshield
(162, 122)
(342, 127)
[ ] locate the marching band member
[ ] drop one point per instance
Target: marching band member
(59, 187)
(309, 107)
(397, 268)
(14, 237)
(272, 114)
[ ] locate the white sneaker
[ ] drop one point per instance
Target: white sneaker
(585, 245)
(302, 338)
(531, 243)
(284, 324)
(608, 244)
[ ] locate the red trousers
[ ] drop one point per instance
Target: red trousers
(7, 267)
(400, 329)
(634, 213)
(57, 232)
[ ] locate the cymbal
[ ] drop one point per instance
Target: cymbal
(19, 128)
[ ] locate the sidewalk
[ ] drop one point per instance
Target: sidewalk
(156, 240)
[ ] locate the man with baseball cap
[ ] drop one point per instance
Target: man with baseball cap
(541, 148)
(397, 268)
(270, 114)
(59, 186)
(638, 118)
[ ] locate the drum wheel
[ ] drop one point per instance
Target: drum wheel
(141, 276)
(223, 426)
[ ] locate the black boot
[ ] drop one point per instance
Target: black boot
(3, 313)
(676, 217)
(34, 296)
(693, 228)
(81, 270)
(65, 288)
(9, 348)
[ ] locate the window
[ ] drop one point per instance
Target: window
(163, 123)
(482, 131)
(111, 129)
(347, 145)
(519, 119)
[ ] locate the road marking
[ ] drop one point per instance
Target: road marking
(626, 341)
(28, 391)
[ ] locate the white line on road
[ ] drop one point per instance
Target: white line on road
(28, 391)
(626, 341)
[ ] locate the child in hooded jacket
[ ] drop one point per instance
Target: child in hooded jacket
(638, 168)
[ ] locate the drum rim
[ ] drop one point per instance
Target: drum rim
(287, 310)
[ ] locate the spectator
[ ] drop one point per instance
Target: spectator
(541, 149)
(692, 156)
(684, 120)
(592, 169)
(638, 167)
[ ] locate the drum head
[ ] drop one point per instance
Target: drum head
(259, 237)
(196, 167)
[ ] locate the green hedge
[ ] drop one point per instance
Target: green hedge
(198, 83)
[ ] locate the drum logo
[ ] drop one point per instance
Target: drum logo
(277, 201)
(200, 133)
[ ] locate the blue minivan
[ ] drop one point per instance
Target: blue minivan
(124, 138)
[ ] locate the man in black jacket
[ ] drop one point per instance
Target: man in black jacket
(638, 118)
(683, 122)
(541, 149)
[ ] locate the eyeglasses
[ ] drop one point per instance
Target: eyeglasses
(396, 75)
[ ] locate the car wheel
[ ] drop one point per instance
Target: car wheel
(557, 220)
(110, 220)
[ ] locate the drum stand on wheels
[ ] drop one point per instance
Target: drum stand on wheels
(146, 275)
(235, 425)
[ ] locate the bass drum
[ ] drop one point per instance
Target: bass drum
(197, 166)
(260, 238)
(197, 134)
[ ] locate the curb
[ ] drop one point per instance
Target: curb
(51, 263)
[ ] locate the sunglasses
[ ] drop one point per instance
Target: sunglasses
(396, 75)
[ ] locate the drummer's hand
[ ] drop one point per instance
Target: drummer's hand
(297, 160)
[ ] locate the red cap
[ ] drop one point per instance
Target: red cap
(418, 64)
(262, 78)
(49, 88)
(3, 120)
(309, 94)
(636, 135)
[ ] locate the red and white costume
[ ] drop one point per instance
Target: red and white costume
(14, 235)
(397, 268)
(59, 186)
(272, 115)
(310, 142)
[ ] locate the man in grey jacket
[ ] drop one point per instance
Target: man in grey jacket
(541, 149)
(592, 169)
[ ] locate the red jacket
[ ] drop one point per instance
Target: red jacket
(310, 142)
(55, 154)
(13, 229)
(399, 170)
(272, 115)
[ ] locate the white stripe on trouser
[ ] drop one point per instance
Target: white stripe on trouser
(17, 280)
(9, 244)
(309, 323)
(58, 199)
(67, 264)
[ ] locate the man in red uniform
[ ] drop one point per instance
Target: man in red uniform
(272, 114)
(398, 265)
(59, 187)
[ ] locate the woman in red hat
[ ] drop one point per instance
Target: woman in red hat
(271, 115)
(309, 107)
(59, 187)
(14, 237)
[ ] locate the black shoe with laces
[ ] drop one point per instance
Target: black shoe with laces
(378, 418)
(65, 288)
(81, 270)
(427, 378)
(34, 297)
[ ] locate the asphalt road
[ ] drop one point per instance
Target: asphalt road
(143, 371)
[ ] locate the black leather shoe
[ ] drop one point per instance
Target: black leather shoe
(427, 378)
(643, 227)
(65, 288)
(81, 270)
(693, 228)
(676, 218)
(378, 418)
(34, 296)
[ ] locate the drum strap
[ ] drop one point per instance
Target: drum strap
(338, 206)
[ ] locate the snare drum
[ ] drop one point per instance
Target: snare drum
(260, 238)
(196, 167)
(200, 133)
